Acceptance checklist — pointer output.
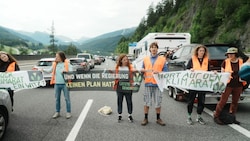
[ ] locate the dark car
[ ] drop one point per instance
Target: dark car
(178, 61)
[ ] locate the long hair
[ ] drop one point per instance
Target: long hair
(195, 53)
(119, 61)
(11, 58)
(62, 55)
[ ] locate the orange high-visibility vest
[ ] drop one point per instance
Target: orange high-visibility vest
(66, 68)
(228, 68)
(130, 76)
(158, 66)
(198, 66)
(11, 67)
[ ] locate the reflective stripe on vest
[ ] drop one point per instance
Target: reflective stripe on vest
(53, 77)
(228, 68)
(198, 66)
(11, 67)
(158, 66)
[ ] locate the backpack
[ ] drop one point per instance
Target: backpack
(227, 118)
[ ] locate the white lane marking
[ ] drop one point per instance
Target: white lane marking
(74, 131)
(234, 126)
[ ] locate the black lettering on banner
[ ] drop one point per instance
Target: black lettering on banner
(101, 80)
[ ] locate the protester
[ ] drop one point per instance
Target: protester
(123, 66)
(8, 64)
(235, 86)
(153, 64)
(198, 62)
(60, 65)
(245, 71)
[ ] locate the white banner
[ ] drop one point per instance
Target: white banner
(197, 80)
(21, 80)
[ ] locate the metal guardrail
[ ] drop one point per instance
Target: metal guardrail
(35, 57)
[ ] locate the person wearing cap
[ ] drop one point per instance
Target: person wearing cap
(232, 65)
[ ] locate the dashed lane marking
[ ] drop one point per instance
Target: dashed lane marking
(74, 131)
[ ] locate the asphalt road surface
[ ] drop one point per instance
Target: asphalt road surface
(32, 120)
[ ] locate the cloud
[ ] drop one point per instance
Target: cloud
(74, 18)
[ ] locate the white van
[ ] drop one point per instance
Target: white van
(89, 58)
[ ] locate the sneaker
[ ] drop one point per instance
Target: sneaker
(119, 118)
(218, 121)
(56, 115)
(130, 118)
(160, 122)
(68, 115)
(200, 120)
(189, 121)
(144, 122)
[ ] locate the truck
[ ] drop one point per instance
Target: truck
(165, 41)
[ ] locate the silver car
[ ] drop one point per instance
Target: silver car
(80, 64)
(45, 64)
(5, 110)
(89, 58)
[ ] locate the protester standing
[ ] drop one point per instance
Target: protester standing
(235, 86)
(60, 65)
(123, 66)
(153, 64)
(198, 62)
(8, 64)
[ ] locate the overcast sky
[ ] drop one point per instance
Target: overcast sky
(73, 18)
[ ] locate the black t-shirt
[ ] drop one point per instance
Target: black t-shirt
(190, 63)
(5, 65)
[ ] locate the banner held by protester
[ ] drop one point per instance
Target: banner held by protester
(197, 80)
(101, 80)
(21, 80)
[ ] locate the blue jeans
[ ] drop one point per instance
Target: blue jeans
(58, 89)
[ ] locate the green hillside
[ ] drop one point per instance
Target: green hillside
(106, 43)
(213, 21)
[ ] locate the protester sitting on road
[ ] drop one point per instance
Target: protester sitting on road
(199, 61)
(8, 64)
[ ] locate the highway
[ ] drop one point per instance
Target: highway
(32, 120)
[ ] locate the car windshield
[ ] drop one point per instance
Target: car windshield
(76, 61)
(83, 56)
(177, 54)
(217, 52)
(44, 63)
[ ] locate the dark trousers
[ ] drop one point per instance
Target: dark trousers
(11, 93)
(236, 91)
(128, 97)
(201, 101)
